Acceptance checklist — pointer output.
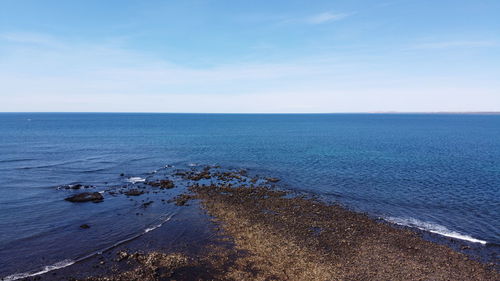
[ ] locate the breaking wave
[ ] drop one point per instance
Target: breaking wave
(434, 228)
(68, 262)
(135, 179)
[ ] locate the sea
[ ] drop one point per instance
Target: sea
(436, 173)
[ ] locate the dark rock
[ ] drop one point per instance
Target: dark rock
(85, 226)
(122, 255)
(198, 176)
(79, 186)
(145, 205)
(122, 175)
(133, 192)
(95, 197)
(182, 199)
(164, 184)
(272, 179)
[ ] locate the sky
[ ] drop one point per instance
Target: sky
(271, 56)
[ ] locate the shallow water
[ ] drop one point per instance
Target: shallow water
(434, 172)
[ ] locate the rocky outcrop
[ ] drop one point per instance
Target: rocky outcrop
(133, 192)
(163, 184)
(273, 180)
(95, 197)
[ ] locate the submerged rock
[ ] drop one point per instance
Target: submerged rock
(85, 226)
(122, 255)
(273, 180)
(145, 205)
(164, 184)
(195, 176)
(182, 199)
(95, 197)
(133, 192)
(75, 186)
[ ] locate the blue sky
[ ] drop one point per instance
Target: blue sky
(250, 56)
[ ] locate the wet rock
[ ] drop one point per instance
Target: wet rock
(163, 184)
(182, 199)
(122, 255)
(75, 186)
(229, 176)
(182, 174)
(198, 176)
(95, 197)
(133, 192)
(145, 205)
(85, 226)
(273, 180)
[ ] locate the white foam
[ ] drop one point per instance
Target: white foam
(68, 262)
(192, 164)
(151, 228)
(136, 179)
(45, 269)
(434, 228)
(158, 225)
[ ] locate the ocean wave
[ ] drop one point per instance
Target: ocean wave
(45, 269)
(68, 262)
(16, 160)
(94, 170)
(434, 228)
(65, 163)
(153, 227)
(135, 179)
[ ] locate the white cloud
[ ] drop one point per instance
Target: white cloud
(75, 76)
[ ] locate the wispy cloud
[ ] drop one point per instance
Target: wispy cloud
(93, 76)
(310, 19)
(455, 44)
(84, 68)
(325, 17)
(28, 38)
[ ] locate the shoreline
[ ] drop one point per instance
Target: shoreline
(261, 232)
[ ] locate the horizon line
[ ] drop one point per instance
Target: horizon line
(265, 113)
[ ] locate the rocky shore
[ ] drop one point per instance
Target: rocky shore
(262, 233)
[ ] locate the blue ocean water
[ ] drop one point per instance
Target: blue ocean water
(439, 172)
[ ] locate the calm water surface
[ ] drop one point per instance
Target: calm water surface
(435, 172)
